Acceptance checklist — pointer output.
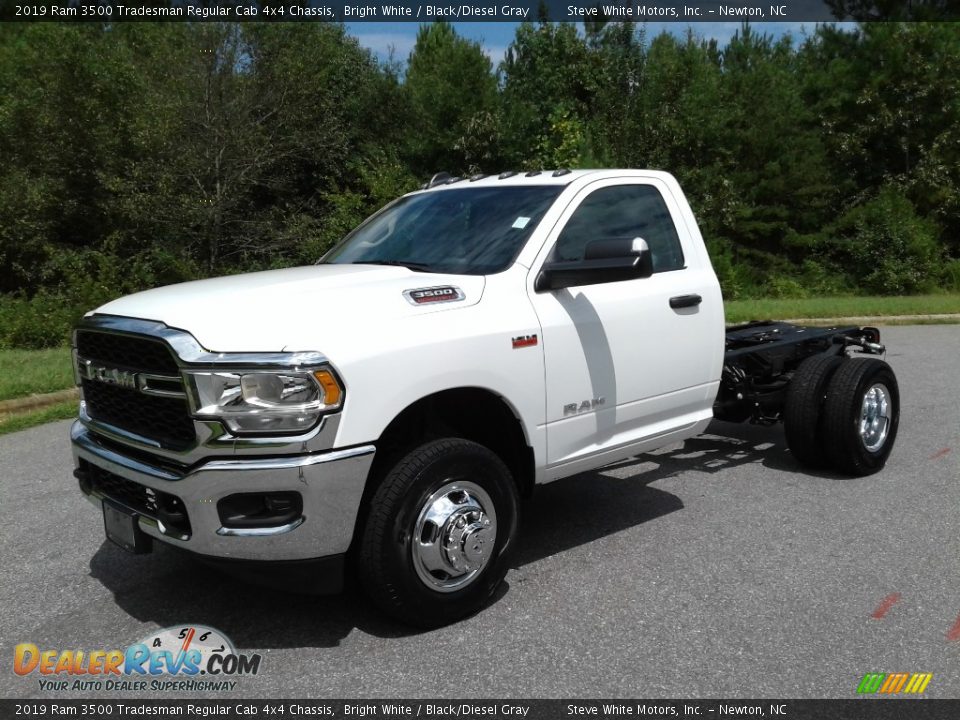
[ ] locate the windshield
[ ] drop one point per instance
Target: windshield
(468, 231)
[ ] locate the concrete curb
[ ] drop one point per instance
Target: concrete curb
(946, 319)
(37, 402)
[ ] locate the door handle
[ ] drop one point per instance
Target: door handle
(682, 301)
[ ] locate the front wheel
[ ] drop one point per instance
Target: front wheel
(861, 415)
(439, 532)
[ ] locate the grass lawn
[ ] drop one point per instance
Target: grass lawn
(61, 411)
(28, 372)
(831, 307)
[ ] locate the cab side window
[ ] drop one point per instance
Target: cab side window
(623, 212)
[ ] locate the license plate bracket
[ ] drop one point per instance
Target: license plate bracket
(123, 529)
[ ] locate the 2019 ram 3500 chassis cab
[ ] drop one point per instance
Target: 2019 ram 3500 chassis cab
(393, 403)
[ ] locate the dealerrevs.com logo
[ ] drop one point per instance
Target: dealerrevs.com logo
(189, 658)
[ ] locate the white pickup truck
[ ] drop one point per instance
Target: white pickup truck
(387, 408)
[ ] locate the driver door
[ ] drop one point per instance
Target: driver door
(624, 364)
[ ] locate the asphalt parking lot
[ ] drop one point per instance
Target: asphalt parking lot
(716, 568)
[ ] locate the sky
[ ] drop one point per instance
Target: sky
(495, 37)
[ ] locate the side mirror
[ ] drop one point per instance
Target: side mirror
(603, 261)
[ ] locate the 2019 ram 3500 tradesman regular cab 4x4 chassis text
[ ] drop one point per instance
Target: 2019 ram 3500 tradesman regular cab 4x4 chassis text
(393, 403)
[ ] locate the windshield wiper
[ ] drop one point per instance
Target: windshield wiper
(415, 266)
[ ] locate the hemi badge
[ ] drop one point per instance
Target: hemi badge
(426, 296)
(523, 341)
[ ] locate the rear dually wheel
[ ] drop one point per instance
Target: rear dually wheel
(803, 409)
(861, 415)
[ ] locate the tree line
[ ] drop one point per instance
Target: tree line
(135, 155)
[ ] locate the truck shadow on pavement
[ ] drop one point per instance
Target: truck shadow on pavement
(168, 587)
(726, 445)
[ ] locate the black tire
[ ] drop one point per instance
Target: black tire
(847, 448)
(803, 409)
(389, 564)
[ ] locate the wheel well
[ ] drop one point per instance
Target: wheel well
(471, 413)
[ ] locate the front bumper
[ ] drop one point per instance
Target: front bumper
(330, 483)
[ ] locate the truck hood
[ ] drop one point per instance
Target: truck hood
(292, 309)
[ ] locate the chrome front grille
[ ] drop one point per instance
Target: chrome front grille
(115, 370)
(130, 352)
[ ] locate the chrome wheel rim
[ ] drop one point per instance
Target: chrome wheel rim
(875, 413)
(454, 536)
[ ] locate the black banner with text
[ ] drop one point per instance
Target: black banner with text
(639, 11)
(488, 709)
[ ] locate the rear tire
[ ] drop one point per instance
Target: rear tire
(803, 409)
(861, 416)
(437, 539)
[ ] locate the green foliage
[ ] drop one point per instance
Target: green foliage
(785, 287)
(42, 321)
(733, 280)
(820, 279)
(479, 143)
(142, 154)
(381, 179)
(547, 70)
(205, 140)
(451, 87)
(74, 282)
(889, 248)
(889, 100)
(951, 276)
(562, 143)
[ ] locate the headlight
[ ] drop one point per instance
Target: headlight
(264, 401)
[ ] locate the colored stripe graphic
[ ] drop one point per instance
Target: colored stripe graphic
(894, 683)
(871, 683)
(918, 683)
